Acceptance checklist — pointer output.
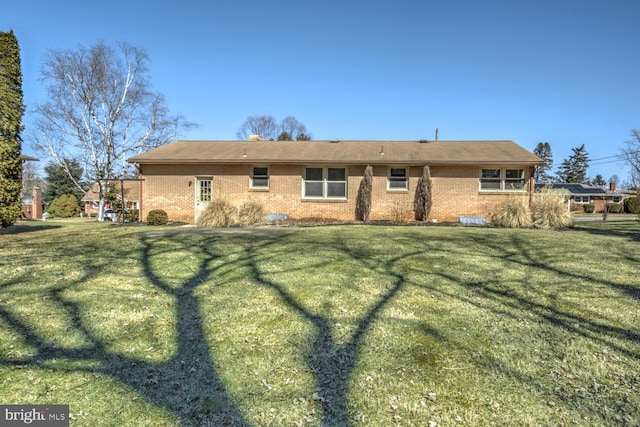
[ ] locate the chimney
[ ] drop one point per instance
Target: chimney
(612, 186)
(36, 209)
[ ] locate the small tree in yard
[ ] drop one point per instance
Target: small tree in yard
(363, 201)
(422, 199)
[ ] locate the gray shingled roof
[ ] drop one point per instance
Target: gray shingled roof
(342, 152)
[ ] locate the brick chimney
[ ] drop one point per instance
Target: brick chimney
(612, 186)
(36, 209)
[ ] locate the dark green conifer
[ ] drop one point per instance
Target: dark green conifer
(11, 112)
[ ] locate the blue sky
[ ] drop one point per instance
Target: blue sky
(562, 71)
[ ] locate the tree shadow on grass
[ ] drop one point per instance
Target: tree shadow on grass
(330, 361)
(28, 227)
(186, 384)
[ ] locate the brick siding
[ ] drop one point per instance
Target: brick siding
(172, 188)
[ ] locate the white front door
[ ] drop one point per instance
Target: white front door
(204, 194)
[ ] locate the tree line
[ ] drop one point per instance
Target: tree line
(573, 169)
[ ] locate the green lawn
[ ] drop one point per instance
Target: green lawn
(334, 326)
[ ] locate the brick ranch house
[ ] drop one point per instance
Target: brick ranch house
(320, 179)
(582, 194)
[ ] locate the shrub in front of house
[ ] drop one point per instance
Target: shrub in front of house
(550, 209)
(589, 208)
(132, 215)
(632, 205)
(401, 213)
(157, 217)
(615, 208)
(64, 206)
(513, 213)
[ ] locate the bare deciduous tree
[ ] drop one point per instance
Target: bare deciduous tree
(264, 126)
(268, 128)
(292, 130)
(101, 110)
(631, 155)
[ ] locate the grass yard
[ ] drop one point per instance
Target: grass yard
(325, 326)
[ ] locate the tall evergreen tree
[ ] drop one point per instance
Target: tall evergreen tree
(543, 173)
(11, 112)
(63, 179)
(574, 168)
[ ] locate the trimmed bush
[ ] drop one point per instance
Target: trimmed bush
(513, 213)
(550, 209)
(422, 198)
(157, 217)
(589, 208)
(363, 201)
(615, 208)
(132, 215)
(65, 206)
(632, 205)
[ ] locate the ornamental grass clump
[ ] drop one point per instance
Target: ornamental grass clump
(550, 209)
(251, 213)
(513, 213)
(219, 213)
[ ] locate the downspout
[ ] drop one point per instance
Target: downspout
(532, 185)
(140, 180)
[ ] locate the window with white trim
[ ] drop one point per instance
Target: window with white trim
(324, 183)
(581, 199)
(497, 179)
(398, 179)
(260, 177)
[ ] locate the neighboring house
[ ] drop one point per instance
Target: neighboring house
(320, 179)
(582, 194)
(32, 205)
(91, 199)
